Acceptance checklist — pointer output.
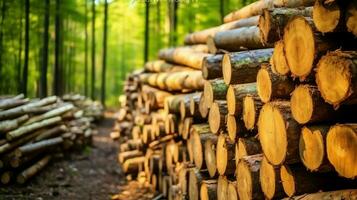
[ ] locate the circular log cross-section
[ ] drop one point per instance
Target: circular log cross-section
(222, 187)
(278, 60)
(308, 106)
(251, 107)
(225, 156)
(247, 147)
(326, 17)
(216, 117)
(312, 147)
(210, 156)
(276, 126)
(299, 46)
(339, 67)
(235, 95)
(199, 134)
(209, 190)
(195, 179)
(270, 180)
(341, 145)
(352, 18)
(232, 191)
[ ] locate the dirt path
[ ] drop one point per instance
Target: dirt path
(90, 174)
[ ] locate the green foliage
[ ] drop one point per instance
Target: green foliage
(125, 39)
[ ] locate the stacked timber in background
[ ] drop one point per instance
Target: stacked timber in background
(35, 130)
(273, 117)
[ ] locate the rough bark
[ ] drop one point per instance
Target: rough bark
(212, 67)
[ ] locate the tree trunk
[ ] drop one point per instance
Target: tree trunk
(27, 44)
(93, 96)
(104, 65)
(86, 79)
(43, 84)
(236, 94)
(146, 33)
(242, 67)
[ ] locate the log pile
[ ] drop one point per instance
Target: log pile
(270, 116)
(33, 131)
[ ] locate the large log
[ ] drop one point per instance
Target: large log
(273, 21)
(312, 148)
(217, 115)
(270, 182)
(38, 146)
(210, 155)
(352, 17)
(251, 108)
(277, 126)
(213, 90)
(12, 124)
(271, 85)
(208, 190)
(239, 39)
(339, 194)
(162, 66)
(340, 66)
(225, 156)
(341, 145)
(200, 37)
(212, 67)
(248, 177)
(236, 94)
(189, 56)
(32, 170)
(327, 17)
(242, 67)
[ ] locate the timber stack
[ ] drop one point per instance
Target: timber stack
(261, 107)
(34, 131)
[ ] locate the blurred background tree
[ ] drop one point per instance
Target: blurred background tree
(65, 51)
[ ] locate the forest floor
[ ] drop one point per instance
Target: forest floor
(90, 174)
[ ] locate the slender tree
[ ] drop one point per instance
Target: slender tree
(105, 32)
(146, 37)
(27, 42)
(58, 87)
(3, 11)
(93, 51)
(43, 81)
(86, 49)
(19, 61)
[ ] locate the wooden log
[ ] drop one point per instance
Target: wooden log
(232, 191)
(38, 146)
(133, 165)
(327, 17)
(208, 190)
(247, 147)
(238, 39)
(194, 104)
(210, 155)
(235, 128)
(270, 182)
(162, 66)
(351, 18)
(213, 90)
(251, 108)
(195, 179)
(32, 127)
(202, 107)
(146, 134)
(343, 138)
(32, 170)
(222, 187)
(307, 105)
(340, 65)
(188, 56)
(273, 21)
(217, 115)
(278, 61)
(11, 145)
(271, 85)
(186, 130)
(122, 156)
(172, 103)
(212, 67)
(171, 124)
(235, 95)
(225, 156)
(257, 8)
(248, 177)
(6, 177)
(242, 67)
(12, 124)
(51, 132)
(53, 113)
(10, 103)
(339, 194)
(312, 148)
(200, 37)
(155, 96)
(200, 133)
(277, 126)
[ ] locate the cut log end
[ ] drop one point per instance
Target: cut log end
(326, 17)
(208, 94)
(352, 18)
(221, 154)
(341, 149)
(214, 118)
(211, 45)
(278, 60)
(244, 181)
(264, 85)
(222, 187)
(231, 101)
(299, 47)
(209, 190)
(302, 106)
(287, 180)
(267, 178)
(231, 127)
(232, 191)
(226, 69)
(311, 148)
(249, 112)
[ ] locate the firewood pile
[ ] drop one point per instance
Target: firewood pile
(261, 107)
(35, 130)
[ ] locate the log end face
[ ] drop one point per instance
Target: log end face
(208, 94)
(214, 118)
(222, 187)
(204, 192)
(221, 154)
(249, 112)
(352, 18)
(278, 60)
(326, 17)
(341, 149)
(232, 192)
(210, 158)
(311, 148)
(302, 104)
(197, 150)
(264, 85)
(244, 181)
(226, 69)
(287, 180)
(267, 179)
(193, 186)
(231, 101)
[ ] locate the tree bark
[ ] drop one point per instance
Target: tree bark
(43, 84)
(93, 95)
(27, 44)
(212, 67)
(33, 170)
(213, 90)
(104, 64)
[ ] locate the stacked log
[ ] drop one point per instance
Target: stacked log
(35, 130)
(270, 115)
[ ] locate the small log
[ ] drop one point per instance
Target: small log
(235, 128)
(199, 134)
(133, 165)
(242, 67)
(277, 126)
(186, 129)
(217, 115)
(210, 155)
(270, 182)
(202, 107)
(247, 147)
(273, 21)
(312, 148)
(307, 105)
(6, 177)
(172, 103)
(33, 170)
(341, 66)
(213, 90)
(171, 124)
(251, 108)
(38, 146)
(222, 187)
(194, 104)
(271, 85)
(343, 137)
(212, 67)
(53, 113)
(248, 177)
(123, 156)
(51, 132)
(232, 193)
(352, 18)
(339, 194)
(225, 156)
(327, 17)
(162, 66)
(194, 186)
(11, 145)
(235, 95)
(278, 60)
(208, 190)
(12, 124)
(11, 103)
